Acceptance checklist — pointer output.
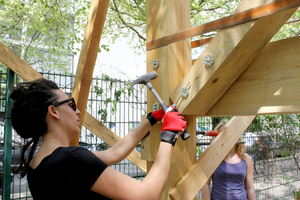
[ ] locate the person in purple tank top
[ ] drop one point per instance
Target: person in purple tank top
(233, 179)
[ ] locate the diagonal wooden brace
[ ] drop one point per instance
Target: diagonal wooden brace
(88, 56)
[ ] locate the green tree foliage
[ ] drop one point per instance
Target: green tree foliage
(128, 17)
(290, 29)
(41, 32)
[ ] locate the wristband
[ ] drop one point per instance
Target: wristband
(151, 118)
(169, 137)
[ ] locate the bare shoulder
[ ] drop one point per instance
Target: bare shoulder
(248, 159)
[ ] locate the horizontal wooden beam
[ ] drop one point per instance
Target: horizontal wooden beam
(232, 20)
(233, 49)
(270, 84)
(27, 73)
(191, 183)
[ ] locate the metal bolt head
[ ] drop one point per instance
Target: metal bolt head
(184, 91)
(155, 107)
(154, 63)
(208, 60)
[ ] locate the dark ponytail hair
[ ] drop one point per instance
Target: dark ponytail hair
(30, 106)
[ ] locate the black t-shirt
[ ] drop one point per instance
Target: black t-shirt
(67, 173)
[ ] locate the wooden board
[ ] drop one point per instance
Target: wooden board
(88, 56)
(16, 64)
(233, 49)
(191, 183)
(177, 56)
(166, 17)
(270, 85)
(145, 145)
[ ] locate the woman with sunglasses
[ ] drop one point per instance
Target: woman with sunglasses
(58, 171)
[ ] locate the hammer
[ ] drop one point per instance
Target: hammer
(145, 80)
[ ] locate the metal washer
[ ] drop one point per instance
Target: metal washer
(184, 91)
(155, 63)
(155, 107)
(208, 60)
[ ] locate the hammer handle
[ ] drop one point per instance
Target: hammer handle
(185, 135)
(160, 101)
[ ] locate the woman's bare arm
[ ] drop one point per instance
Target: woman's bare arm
(116, 185)
(124, 147)
(249, 179)
(206, 190)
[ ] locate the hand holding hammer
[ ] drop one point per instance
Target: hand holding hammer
(145, 80)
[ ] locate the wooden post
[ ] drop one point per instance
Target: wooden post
(165, 17)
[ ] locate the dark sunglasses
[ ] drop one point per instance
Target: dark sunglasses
(72, 104)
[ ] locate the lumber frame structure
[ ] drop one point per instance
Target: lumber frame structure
(248, 77)
(215, 90)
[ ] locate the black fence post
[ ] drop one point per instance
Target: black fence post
(7, 139)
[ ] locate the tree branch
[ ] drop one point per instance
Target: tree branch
(124, 23)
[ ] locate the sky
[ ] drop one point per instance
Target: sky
(120, 62)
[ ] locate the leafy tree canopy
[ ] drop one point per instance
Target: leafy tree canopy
(39, 31)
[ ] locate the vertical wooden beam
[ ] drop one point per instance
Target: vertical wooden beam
(88, 56)
(165, 17)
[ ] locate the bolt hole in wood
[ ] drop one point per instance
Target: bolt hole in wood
(215, 80)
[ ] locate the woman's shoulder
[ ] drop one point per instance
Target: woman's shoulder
(60, 154)
(72, 149)
(248, 158)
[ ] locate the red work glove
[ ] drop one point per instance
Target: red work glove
(173, 123)
(155, 116)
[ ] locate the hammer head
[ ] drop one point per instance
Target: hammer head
(144, 79)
